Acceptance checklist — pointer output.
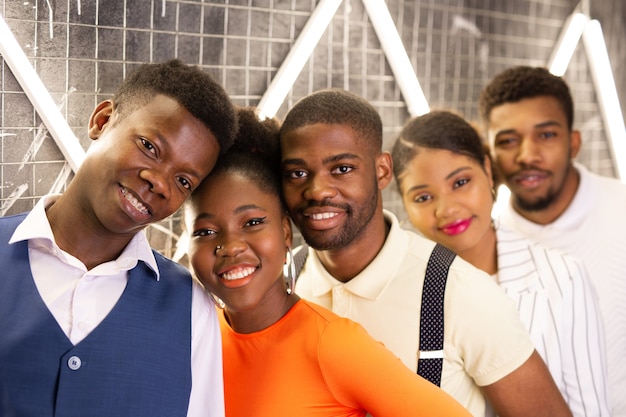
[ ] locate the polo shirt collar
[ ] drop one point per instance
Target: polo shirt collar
(373, 280)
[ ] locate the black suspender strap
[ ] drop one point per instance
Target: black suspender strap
(431, 316)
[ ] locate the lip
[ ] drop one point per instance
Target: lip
(237, 275)
(134, 206)
(456, 227)
(530, 178)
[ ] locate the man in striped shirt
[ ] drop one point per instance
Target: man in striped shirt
(528, 116)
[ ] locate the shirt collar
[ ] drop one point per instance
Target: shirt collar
(36, 227)
(370, 282)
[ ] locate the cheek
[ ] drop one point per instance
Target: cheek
(202, 262)
(419, 217)
(503, 158)
(290, 195)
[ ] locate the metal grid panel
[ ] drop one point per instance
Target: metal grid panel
(82, 49)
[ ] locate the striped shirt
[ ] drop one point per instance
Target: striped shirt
(558, 304)
(593, 228)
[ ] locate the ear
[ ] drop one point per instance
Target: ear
(287, 230)
(100, 118)
(575, 142)
(384, 170)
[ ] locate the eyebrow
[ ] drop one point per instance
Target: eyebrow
(247, 207)
(547, 123)
(332, 158)
(238, 210)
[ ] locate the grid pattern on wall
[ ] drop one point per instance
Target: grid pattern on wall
(82, 49)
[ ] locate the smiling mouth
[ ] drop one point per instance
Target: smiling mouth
(134, 202)
(322, 216)
(238, 273)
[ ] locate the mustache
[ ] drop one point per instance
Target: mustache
(326, 203)
(528, 168)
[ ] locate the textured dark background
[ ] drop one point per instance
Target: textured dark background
(82, 49)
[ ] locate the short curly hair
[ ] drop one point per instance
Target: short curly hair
(192, 87)
(337, 106)
(521, 82)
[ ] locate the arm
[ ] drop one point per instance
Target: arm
(361, 372)
(527, 391)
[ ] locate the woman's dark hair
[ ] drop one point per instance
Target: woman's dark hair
(255, 153)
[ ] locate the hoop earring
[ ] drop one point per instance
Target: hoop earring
(217, 301)
(289, 272)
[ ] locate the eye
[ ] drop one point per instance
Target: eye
(461, 182)
(203, 232)
(342, 169)
(148, 145)
(255, 221)
(547, 135)
(295, 174)
(422, 198)
(185, 183)
(505, 142)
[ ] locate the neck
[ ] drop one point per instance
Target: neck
(274, 305)
(75, 234)
(483, 255)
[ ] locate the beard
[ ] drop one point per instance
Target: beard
(537, 204)
(356, 221)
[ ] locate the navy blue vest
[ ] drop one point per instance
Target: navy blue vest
(136, 363)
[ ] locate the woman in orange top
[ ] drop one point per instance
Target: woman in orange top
(284, 356)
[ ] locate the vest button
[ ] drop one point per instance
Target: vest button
(74, 363)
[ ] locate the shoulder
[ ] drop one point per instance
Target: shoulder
(9, 223)
(602, 182)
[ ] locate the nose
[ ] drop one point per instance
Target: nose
(446, 207)
(157, 182)
(528, 152)
(319, 188)
(230, 246)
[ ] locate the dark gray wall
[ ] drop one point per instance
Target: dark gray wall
(454, 46)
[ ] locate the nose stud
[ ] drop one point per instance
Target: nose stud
(218, 248)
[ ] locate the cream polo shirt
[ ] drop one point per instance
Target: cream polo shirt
(484, 338)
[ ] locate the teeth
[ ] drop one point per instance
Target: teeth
(238, 273)
(131, 198)
(322, 216)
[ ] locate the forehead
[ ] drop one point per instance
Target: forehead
(231, 190)
(184, 138)
(437, 162)
(527, 111)
(320, 141)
